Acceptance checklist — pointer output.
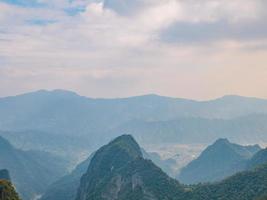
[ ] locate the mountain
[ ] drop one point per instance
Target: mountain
(183, 131)
(108, 158)
(4, 174)
(197, 130)
(218, 161)
(63, 122)
(247, 185)
(7, 191)
(68, 147)
(66, 187)
(119, 171)
(167, 165)
(51, 105)
(31, 171)
(65, 112)
(258, 159)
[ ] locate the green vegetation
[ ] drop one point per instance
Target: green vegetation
(243, 186)
(31, 171)
(119, 172)
(263, 197)
(258, 159)
(106, 161)
(7, 191)
(218, 161)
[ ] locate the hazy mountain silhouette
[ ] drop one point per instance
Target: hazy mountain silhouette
(66, 187)
(47, 115)
(30, 171)
(218, 161)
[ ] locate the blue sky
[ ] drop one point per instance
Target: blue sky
(26, 3)
(72, 10)
(114, 48)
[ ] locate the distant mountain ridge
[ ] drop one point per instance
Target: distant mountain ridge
(218, 161)
(228, 106)
(166, 165)
(56, 113)
(198, 130)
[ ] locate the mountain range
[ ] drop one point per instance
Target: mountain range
(30, 171)
(118, 171)
(63, 122)
(66, 124)
(122, 170)
(59, 107)
(197, 130)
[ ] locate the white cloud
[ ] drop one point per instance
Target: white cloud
(104, 47)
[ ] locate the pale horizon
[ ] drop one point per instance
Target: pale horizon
(130, 96)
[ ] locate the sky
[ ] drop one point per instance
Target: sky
(197, 49)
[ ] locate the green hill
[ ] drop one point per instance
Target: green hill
(218, 161)
(258, 159)
(31, 171)
(7, 191)
(118, 171)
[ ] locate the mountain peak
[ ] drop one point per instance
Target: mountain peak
(4, 175)
(118, 171)
(124, 137)
(59, 92)
(115, 154)
(223, 146)
(238, 99)
(222, 141)
(65, 92)
(4, 144)
(217, 161)
(108, 159)
(47, 93)
(128, 143)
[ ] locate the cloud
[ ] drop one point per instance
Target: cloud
(129, 47)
